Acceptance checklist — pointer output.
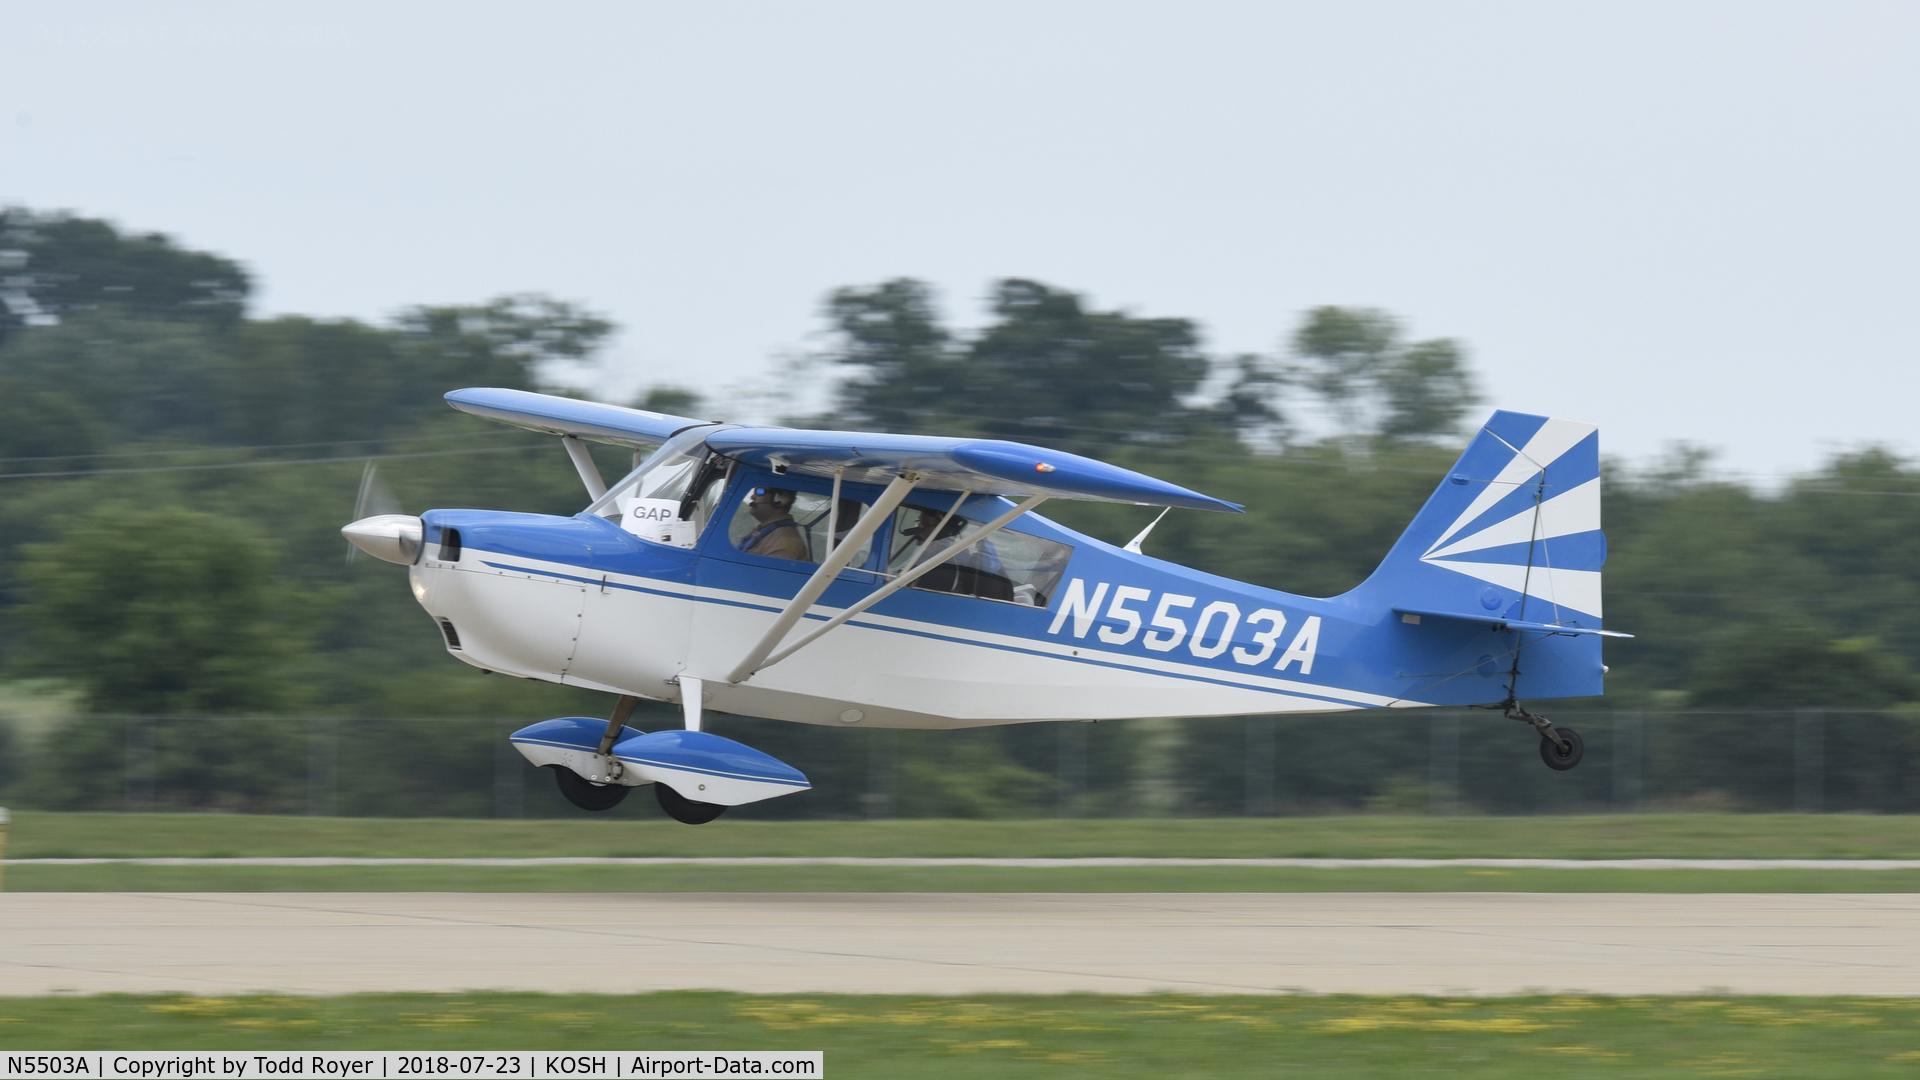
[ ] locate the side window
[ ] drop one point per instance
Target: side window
(1008, 566)
(784, 524)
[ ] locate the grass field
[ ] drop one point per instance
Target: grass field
(1775, 836)
(1710, 836)
(1012, 1037)
(122, 878)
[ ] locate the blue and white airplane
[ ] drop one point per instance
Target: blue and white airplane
(904, 581)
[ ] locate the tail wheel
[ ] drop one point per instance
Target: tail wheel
(586, 794)
(684, 810)
(1558, 759)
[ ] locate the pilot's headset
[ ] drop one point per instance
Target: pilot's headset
(779, 497)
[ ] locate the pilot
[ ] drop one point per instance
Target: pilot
(778, 535)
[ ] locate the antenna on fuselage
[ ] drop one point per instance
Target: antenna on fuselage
(1133, 545)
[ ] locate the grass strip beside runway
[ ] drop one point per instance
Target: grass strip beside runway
(1609, 836)
(1009, 1037)
(122, 877)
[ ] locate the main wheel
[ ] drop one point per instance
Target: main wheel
(1558, 759)
(586, 794)
(684, 810)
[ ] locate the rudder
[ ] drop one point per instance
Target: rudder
(1511, 536)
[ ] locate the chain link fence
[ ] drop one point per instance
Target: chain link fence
(1416, 761)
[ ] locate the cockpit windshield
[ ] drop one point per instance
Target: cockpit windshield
(670, 498)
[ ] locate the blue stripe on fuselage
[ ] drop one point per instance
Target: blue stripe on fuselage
(1357, 653)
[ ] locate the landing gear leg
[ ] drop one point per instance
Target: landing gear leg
(621, 710)
(1560, 747)
(691, 690)
(678, 807)
(589, 794)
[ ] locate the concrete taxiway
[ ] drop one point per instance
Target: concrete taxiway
(954, 943)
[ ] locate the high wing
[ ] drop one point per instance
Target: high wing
(982, 466)
(589, 420)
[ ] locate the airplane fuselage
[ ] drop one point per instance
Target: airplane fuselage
(583, 602)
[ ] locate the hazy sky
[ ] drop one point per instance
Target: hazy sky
(1682, 221)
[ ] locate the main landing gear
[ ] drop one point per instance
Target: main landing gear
(694, 774)
(1560, 747)
(591, 795)
(588, 795)
(684, 810)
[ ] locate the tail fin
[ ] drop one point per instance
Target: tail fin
(1511, 536)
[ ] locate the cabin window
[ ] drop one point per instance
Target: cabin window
(671, 498)
(1008, 566)
(781, 523)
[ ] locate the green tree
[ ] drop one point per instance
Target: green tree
(290, 379)
(1048, 370)
(1052, 371)
(504, 342)
(1373, 382)
(1426, 391)
(903, 359)
(673, 400)
(56, 265)
(36, 422)
(1774, 666)
(160, 611)
(298, 380)
(140, 376)
(968, 774)
(1856, 526)
(1341, 353)
(1254, 404)
(1752, 682)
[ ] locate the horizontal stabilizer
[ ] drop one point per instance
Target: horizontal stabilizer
(1498, 623)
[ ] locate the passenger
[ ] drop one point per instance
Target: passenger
(778, 535)
(982, 556)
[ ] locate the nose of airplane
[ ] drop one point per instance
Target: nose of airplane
(393, 537)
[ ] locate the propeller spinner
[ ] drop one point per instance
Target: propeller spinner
(393, 537)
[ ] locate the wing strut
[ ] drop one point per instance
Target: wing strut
(836, 561)
(583, 464)
(833, 509)
(907, 578)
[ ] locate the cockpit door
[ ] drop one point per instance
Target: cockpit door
(768, 535)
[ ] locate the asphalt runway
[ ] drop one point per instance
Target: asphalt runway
(957, 943)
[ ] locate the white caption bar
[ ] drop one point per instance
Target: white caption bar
(411, 1064)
